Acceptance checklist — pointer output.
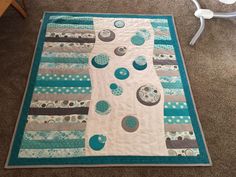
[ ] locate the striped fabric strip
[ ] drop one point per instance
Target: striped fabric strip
(174, 98)
(80, 60)
(163, 42)
(55, 83)
(62, 90)
(180, 135)
(58, 111)
(168, 91)
(50, 135)
(184, 152)
(69, 30)
(34, 126)
(165, 62)
(53, 144)
(172, 85)
(52, 153)
(177, 120)
(59, 103)
(167, 73)
(176, 112)
(176, 105)
(63, 77)
(159, 24)
(63, 70)
(55, 25)
(178, 127)
(71, 21)
(177, 144)
(68, 39)
(54, 119)
(55, 97)
(63, 65)
(67, 47)
(70, 17)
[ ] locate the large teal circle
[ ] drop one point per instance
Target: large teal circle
(137, 40)
(121, 73)
(97, 142)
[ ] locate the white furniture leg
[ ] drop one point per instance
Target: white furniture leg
(203, 14)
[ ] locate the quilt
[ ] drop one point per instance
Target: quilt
(107, 89)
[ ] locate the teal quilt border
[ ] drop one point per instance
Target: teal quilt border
(14, 162)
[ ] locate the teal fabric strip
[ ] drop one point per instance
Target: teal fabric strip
(70, 17)
(159, 24)
(62, 90)
(176, 105)
(63, 77)
(52, 153)
(45, 83)
(177, 120)
(165, 42)
(173, 91)
(176, 112)
(72, 21)
(51, 144)
(79, 60)
(163, 45)
(172, 85)
(50, 135)
(54, 25)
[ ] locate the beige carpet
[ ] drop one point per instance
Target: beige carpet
(211, 65)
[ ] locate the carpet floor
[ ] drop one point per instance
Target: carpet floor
(210, 64)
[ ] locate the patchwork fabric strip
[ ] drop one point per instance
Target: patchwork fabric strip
(107, 89)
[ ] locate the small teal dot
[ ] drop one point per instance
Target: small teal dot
(137, 40)
(113, 86)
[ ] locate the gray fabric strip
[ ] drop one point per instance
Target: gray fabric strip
(58, 111)
(178, 127)
(63, 71)
(80, 49)
(69, 30)
(34, 126)
(164, 62)
(54, 97)
(167, 73)
(174, 98)
(69, 39)
(179, 144)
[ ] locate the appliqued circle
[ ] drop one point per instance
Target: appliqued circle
(97, 142)
(120, 51)
(137, 40)
(130, 123)
(121, 73)
(119, 23)
(148, 95)
(103, 107)
(100, 61)
(115, 89)
(106, 35)
(140, 63)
